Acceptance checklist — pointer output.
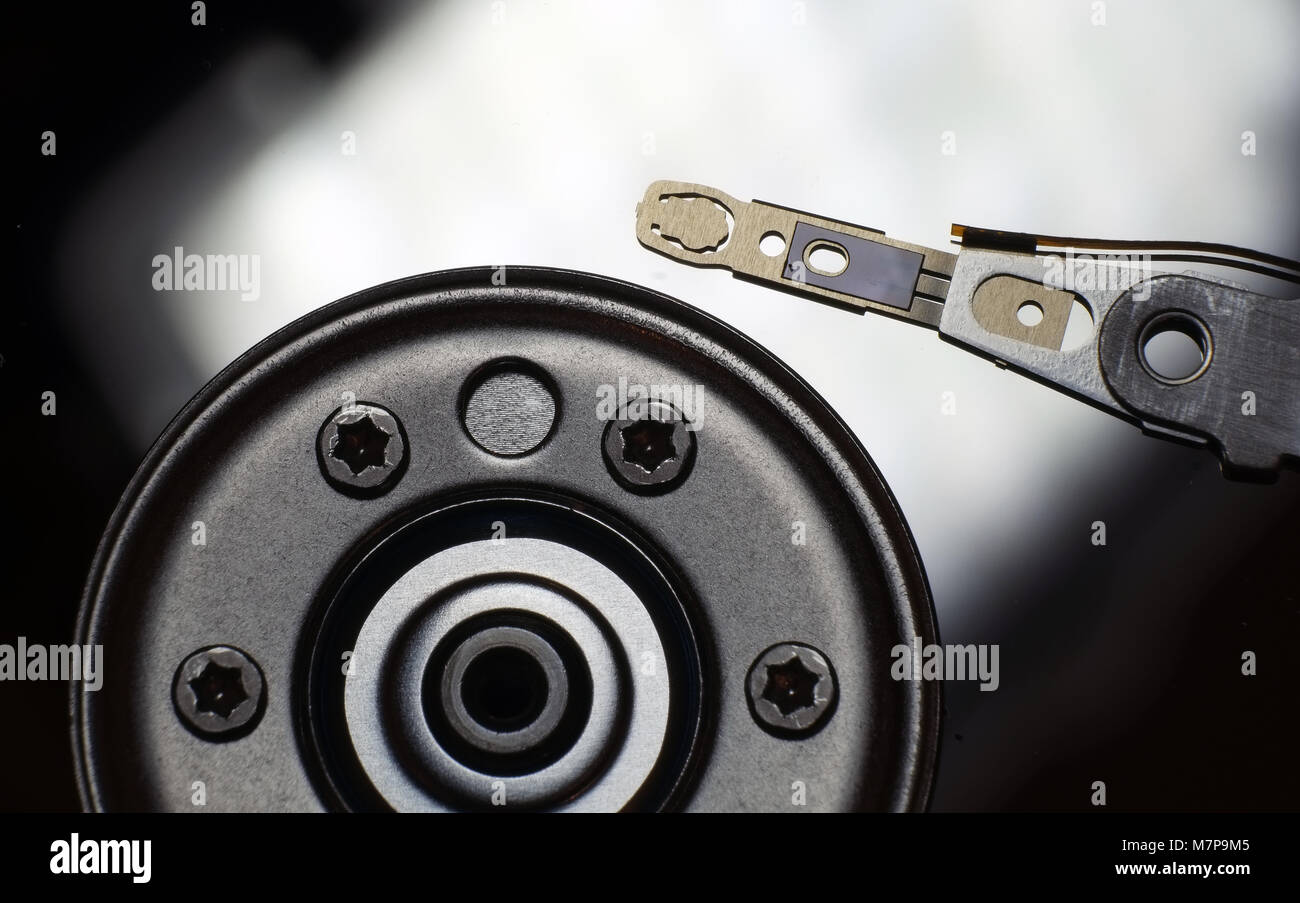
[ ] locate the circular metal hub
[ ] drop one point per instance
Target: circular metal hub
(595, 685)
(503, 691)
(513, 610)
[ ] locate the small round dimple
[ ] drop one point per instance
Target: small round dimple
(509, 411)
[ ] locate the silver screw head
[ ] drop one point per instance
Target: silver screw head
(219, 693)
(792, 690)
(652, 451)
(362, 449)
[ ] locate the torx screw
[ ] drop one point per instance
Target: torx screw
(651, 449)
(219, 693)
(362, 449)
(791, 689)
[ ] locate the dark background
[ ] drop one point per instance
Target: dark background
(102, 74)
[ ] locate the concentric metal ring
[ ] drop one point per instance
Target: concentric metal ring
(454, 675)
(607, 622)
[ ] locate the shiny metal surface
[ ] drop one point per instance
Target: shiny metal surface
(782, 529)
(603, 615)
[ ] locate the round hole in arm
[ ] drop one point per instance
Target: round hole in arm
(1175, 347)
(1029, 313)
(826, 258)
(772, 243)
